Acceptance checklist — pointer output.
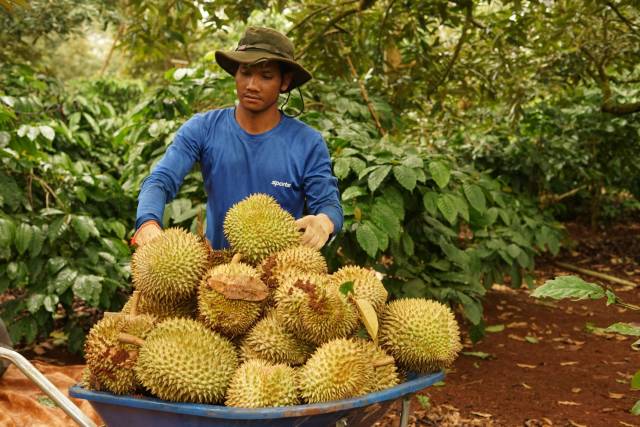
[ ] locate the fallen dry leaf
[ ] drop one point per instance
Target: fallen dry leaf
(481, 414)
(575, 424)
(568, 363)
(527, 386)
(240, 287)
(523, 365)
(517, 325)
(627, 424)
(516, 337)
(607, 409)
(576, 390)
(616, 395)
(568, 403)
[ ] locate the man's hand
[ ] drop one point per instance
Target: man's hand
(317, 229)
(146, 233)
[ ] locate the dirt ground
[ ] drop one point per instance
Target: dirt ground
(542, 366)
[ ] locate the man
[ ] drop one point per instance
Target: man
(252, 148)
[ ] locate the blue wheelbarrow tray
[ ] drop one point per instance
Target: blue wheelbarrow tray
(363, 411)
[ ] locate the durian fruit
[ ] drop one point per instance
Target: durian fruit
(258, 384)
(232, 317)
(183, 361)
(300, 258)
(162, 310)
(169, 268)
(339, 369)
(365, 285)
(422, 335)
(270, 341)
(111, 362)
(257, 227)
(314, 310)
(385, 373)
(219, 256)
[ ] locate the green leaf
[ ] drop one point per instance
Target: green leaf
(383, 237)
(461, 207)
(440, 173)
(513, 250)
(635, 381)
(447, 206)
(430, 200)
(624, 329)
(118, 228)
(88, 288)
(568, 287)
(36, 242)
(346, 288)
(377, 176)
(353, 192)
(341, 167)
(423, 401)
(367, 239)
(47, 132)
(531, 339)
(407, 244)
(23, 236)
(636, 408)
(384, 217)
(51, 303)
(34, 302)
(84, 227)
(471, 307)
(64, 280)
(475, 196)
(56, 228)
(611, 297)
(7, 232)
(405, 176)
(494, 328)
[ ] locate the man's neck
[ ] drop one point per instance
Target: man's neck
(256, 123)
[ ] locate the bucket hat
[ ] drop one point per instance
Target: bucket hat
(262, 44)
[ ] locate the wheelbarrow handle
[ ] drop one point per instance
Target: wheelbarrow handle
(46, 386)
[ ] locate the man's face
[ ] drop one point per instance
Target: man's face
(259, 85)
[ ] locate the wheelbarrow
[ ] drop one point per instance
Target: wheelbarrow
(140, 411)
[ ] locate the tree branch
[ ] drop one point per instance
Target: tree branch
(456, 52)
(329, 24)
(624, 19)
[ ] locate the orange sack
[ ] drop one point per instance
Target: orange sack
(23, 404)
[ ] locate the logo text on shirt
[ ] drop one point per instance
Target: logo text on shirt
(281, 184)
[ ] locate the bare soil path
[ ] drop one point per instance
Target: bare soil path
(544, 368)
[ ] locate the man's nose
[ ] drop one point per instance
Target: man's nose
(252, 84)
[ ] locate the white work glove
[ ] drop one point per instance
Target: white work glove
(146, 233)
(317, 229)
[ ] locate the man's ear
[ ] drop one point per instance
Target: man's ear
(286, 81)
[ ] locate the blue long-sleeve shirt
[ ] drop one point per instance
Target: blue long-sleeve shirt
(290, 162)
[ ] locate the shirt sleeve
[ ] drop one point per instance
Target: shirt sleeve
(321, 187)
(164, 182)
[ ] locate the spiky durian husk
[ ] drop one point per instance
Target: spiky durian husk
(111, 362)
(183, 361)
(301, 258)
(257, 227)
(219, 257)
(270, 341)
(338, 369)
(314, 310)
(422, 335)
(258, 384)
(163, 310)
(169, 268)
(384, 376)
(365, 285)
(228, 316)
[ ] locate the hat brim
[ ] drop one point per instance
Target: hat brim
(230, 61)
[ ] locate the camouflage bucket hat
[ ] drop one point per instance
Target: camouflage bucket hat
(263, 44)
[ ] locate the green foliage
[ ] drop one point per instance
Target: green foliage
(64, 216)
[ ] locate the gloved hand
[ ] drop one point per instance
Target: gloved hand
(317, 229)
(147, 232)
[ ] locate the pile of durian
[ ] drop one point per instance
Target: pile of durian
(262, 324)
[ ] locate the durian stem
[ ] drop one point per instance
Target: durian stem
(236, 258)
(125, 316)
(134, 303)
(383, 362)
(130, 339)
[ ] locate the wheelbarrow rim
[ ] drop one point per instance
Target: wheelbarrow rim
(229, 412)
